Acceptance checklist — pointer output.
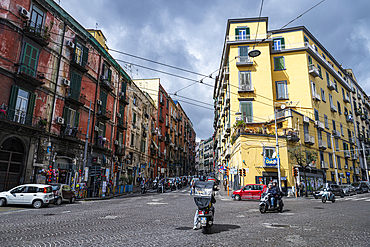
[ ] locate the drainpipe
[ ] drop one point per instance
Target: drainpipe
(57, 76)
(95, 105)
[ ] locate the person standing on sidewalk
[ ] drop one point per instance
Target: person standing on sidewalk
(301, 187)
(225, 184)
(191, 186)
(297, 188)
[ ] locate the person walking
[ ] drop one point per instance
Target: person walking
(191, 186)
(225, 184)
(297, 188)
(301, 188)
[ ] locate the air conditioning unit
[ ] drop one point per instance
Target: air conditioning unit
(121, 94)
(66, 82)
(115, 158)
(98, 101)
(115, 142)
(306, 119)
(238, 118)
(119, 115)
(96, 128)
(103, 78)
(70, 44)
(60, 120)
(24, 13)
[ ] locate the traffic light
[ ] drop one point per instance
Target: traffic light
(115, 170)
(244, 172)
(295, 172)
(240, 172)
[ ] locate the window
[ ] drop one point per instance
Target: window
(269, 152)
(121, 110)
(331, 100)
(37, 18)
(326, 121)
(242, 33)
(71, 117)
(103, 98)
(31, 189)
(339, 108)
(132, 143)
(328, 138)
(313, 85)
(81, 54)
(29, 60)
(143, 145)
(21, 105)
(75, 88)
(245, 83)
(319, 68)
(279, 44)
(323, 55)
(345, 111)
(243, 54)
(246, 109)
(281, 90)
(336, 86)
(334, 128)
(341, 130)
(338, 162)
(167, 103)
(331, 160)
(106, 73)
(120, 138)
(279, 63)
(102, 129)
(336, 144)
(316, 115)
(134, 101)
(305, 39)
(309, 60)
(323, 98)
(344, 95)
(327, 78)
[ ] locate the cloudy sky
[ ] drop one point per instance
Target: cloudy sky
(189, 34)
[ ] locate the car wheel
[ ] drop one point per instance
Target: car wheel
(333, 199)
(37, 204)
(59, 201)
(237, 197)
(342, 195)
(2, 202)
(73, 199)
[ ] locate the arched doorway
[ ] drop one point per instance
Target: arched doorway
(11, 163)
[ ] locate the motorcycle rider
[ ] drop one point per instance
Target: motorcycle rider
(273, 194)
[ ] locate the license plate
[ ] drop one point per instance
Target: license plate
(203, 219)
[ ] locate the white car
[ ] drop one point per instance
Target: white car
(37, 195)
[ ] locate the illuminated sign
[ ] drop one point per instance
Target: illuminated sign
(270, 162)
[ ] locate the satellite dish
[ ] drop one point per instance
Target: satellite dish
(282, 107)
(254, 53)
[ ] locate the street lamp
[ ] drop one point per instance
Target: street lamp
(277, 145)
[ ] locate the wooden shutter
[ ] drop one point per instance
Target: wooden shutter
(85, 55)
(103, 98)
(77, 119)
(243, 53)
(123, 87)
(65, 115)
(247, 32)
(109, 75)
(282, 40)
(236, 33)
(13, 102)
(309, 60)
(31, 104)
(29, 60)
(249, 111)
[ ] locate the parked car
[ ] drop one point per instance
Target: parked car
(348, 190)
(361, 187)
(333, 187)
(250, 192)
(37, 195)
(63, 193)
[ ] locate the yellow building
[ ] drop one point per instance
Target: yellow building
(311, 93)
(99, 36)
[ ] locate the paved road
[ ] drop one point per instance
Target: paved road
(166, 220)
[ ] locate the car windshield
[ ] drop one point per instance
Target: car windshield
(356, 184)
(55, 187)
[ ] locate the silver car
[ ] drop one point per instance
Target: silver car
(37, 195)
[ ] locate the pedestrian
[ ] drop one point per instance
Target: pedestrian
(301, 187)
(225, 184)
(191, 186)
(297, 188)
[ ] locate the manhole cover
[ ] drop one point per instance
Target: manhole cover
(49, 214)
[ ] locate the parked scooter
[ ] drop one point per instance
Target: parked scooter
(327, 195)
(204, 199)
(143, 188)
(265, 203)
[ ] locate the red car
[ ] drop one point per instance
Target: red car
(250, 192)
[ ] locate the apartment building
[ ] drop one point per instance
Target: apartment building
(296, 81)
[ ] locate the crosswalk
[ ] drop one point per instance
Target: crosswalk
(356, 198)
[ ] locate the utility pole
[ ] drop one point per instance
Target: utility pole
(87, 139)
(277, 150)
(367, 170)
(334, 159)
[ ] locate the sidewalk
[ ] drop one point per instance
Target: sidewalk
(135, 190)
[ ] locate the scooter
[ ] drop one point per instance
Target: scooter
(265, 204)
(327, 195)
(204, 199)
(143, 189)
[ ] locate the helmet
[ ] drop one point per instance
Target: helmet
(269, 185)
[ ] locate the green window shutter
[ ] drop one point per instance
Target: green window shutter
(85, 55)
(282, 40)
(109, 75)
(249, 111)
(236, 33)
(74, 52)
(30, 108)
(29, 60)
(13, 101)
(103, 98)
(123, 88)
(248, 32)
(65, 115)
(279, 63)
(77, 119)
(309, 60)
(75, 85)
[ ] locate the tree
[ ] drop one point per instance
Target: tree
(303, 158)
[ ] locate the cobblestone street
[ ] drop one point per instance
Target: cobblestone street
(166, 220)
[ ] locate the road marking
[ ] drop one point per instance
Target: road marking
(367, 200)
(64, 212)
(157, 203)
(110, 217)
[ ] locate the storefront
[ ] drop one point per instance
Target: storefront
(315, 178)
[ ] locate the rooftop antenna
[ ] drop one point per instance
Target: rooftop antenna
(96, 26)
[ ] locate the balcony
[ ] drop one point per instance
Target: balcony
(346, 99)
(120, 151)
(331, 85)
(161, 119)
(320, 125)
(244, 61)
(347, 154)
(316, 96)
(333, 108)
(246, 88)
(105, 83)
(37, 33)
(247, 37)
(308, 139)
(354, 156)
(69, 132)
(101, 144)
(23, 119)
(28, 74)
(103, 113)
(351, 140)
(292, 136)
(336, 133)
(349, 119)
(363, 117)
(75, 97)
(123, 98)
(122, 124)
(358, 111)
(324, 165)
(322, 145)
(312, 70)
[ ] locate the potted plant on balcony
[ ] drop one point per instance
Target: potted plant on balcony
(2, 113)
(42, 123)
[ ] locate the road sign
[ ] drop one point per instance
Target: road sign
(233, 171)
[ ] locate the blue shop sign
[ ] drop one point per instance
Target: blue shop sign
(348, 174)
(270, 162)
